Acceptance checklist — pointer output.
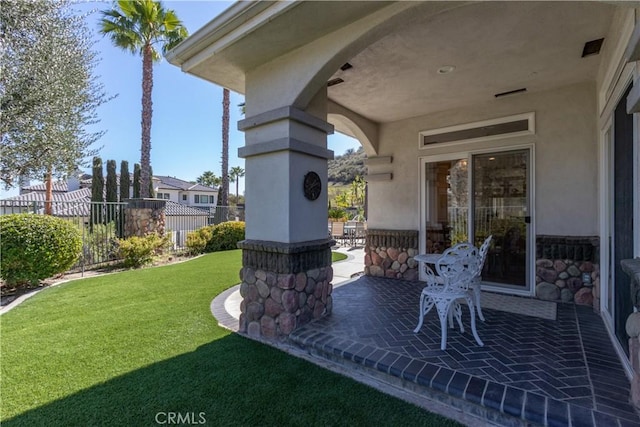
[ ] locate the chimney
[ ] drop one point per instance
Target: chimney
(73, 183)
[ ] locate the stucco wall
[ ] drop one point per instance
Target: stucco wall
(565, 159)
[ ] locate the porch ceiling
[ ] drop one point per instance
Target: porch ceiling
(494, 46)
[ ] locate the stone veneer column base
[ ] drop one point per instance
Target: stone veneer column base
(284, 285)
(144, 216)
(389, 253)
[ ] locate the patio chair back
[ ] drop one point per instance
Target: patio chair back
(466, 251)
(482, 253)
(337, 230)
(457, 267)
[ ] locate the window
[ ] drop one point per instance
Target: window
(522, 124)
(184, 197)
(205, 199)
(164, 196)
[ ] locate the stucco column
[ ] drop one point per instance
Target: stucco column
(286, 273)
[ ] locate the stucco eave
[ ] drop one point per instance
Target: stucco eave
(231, 19)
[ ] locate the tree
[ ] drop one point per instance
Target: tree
(138, 26)
(209, 179)
(125, 181)
(112, 182)
(358, 186)
(48, 91)
(97, 192)
(111, 192)
(125, 184)
(236, 173)
(152, 192)
(136, 180)
(224, 190)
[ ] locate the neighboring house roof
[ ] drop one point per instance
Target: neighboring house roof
(57, 187)
(172, 183)
(83, 194)
(176, 209)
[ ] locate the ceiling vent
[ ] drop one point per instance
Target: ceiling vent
(346, 66)
(510, 92)
(522, 124)
(592, 47)
(334, 82)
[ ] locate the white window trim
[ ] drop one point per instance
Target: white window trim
(531, 117)
(468, 154)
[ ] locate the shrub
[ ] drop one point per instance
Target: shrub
(338, 214)
(197, 240)
(34, 247)
(100, 243)
(225, 236)
(138, 251)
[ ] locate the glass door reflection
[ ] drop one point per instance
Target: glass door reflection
(447, 204)
(501, 209)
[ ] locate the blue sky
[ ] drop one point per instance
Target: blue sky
(186, 131)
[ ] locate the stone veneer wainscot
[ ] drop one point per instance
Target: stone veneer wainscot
(389, 253)
(561, 262)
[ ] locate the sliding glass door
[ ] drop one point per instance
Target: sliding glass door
(468, 197)
(501, 209)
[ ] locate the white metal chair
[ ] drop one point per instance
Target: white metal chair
(467, 249)
(456, 270)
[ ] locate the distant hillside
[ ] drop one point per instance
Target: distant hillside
(345, 168)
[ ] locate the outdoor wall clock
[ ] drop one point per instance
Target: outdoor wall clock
(312, 186)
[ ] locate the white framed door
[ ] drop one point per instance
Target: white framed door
(467, 196)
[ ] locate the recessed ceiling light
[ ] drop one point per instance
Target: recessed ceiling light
(446, 69)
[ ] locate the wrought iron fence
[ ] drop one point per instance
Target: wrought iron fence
(102, 223)
(182, 220)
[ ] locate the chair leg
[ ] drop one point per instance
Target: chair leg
(426, 304)
(473, 320)
(456, 311)
(476, 293)
(421, 314)
(443, 308)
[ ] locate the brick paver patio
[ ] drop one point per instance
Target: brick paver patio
(548, 372)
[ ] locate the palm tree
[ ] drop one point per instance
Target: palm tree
(137, 26)
(209, 179)
(236, 173)
(224, 192)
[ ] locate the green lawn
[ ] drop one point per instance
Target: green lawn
(122, 348)
(337, 256)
